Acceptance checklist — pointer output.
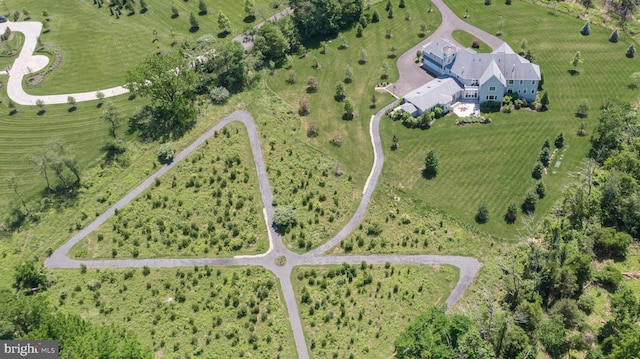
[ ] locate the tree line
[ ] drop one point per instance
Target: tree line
(545, 299)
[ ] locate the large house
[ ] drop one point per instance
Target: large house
(465, 74)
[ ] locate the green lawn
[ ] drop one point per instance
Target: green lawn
(208, 205)
(492, 163)
(466, 39)
(26, 133)
(98, 49)
(355, 151)
(9, 50)
(232, 312)
(361, 310)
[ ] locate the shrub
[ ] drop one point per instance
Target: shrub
(609, 277)
(614, 36)
(607, 242)
(284, 218)
(219, 94)
(475, 44)
(166, 153)
(512, 213)
(303, 109)
(312, 131)
(483, 213)
(586, 303)
(312, 84)
(582, 110)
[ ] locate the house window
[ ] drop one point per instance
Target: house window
(492, 88)
(533, 82)
(509, 91)
(520, 82)
(510, 82)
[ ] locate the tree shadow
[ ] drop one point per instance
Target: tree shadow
(42, 112)
(194, 29)
(203, 13)
(348, 116)
(222, 35)
(72, 109)
(509, 219)
(142, 11)
(249, 19)
(573, 72)
(429, 174)
(173, 16)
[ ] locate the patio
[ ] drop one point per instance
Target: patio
(466, 109)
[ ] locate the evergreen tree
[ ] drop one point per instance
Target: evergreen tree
(402, 4)
(388, 6)
(375, 17)
(586, 29)
(431, 163)
(631, 51)
(559, 142)
(614, 36)
(541, 190)
(544, 101)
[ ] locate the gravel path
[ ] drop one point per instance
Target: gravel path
(411, 76)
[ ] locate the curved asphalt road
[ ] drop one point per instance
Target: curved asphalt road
(411, 76)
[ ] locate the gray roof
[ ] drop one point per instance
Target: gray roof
(408, 107)
(433, 93)
(471, 65)
(491, 71)
(438, 47)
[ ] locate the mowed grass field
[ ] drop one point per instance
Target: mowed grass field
(98, 49)
(357, 311)
(492, 163)
(355, 150)
(26, 133)
(228, 312)
(466, 39)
